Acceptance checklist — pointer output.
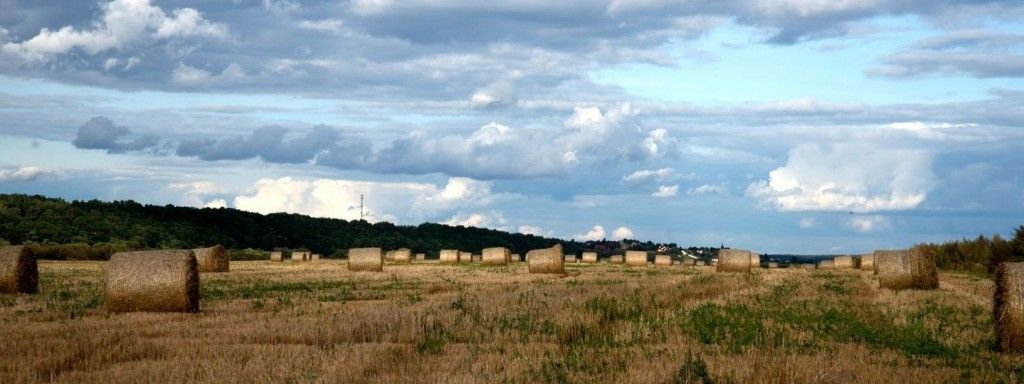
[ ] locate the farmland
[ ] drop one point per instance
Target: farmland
(425, 322)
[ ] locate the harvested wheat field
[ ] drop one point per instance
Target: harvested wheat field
(460, 323)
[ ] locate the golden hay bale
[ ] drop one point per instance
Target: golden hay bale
(465, 257)
(662, 260)
(570, 258)
(315, 257)
(276, 256)
(734, 260)
(907, 269)
(515, 258)
(476, 257)
(636, 258)
(366, 259)
(589, 257)
(843, 262)
(773, 265)
(867, 262)
(153, 281)
(616, 259)
(300, 255)
(213, 259)
(449, 256)
(495, 256)
(18, 270)
(826, 264)
(755, 260)
(1008, 307)
(546, 260)
(401, 255)
(421, 256)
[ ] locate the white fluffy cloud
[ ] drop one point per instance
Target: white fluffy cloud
(594, 234)
(666, 191)
(121, 24)
(534, 230)
(391, 201)
(25, 173)
(870, 223)
(492, 220)
(847, 177)
(707, 189)
(645, 175)
(621, 233)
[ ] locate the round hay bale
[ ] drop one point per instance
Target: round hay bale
(153, 281)
(907, 269)
(19, 272)
(276, 256)
(843, 262)
(616, 259)
(465, 257)
(1008, 307)
(755, 260)
(300, 256)
(773, 265)
(570, 258)
(401, 255)
(662, 260)
(449, 256)
(366, 259)
(827, 264)
(515, 258)
(495, 256)
(213, 259)
(546, 260)
(589, 257)
(867, 262)
(734, 260)
(636, 258)
(421, 256)
(315, 257)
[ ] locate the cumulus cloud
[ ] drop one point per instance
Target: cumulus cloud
(666, 191)
(534, 230)
(122, 23)
(870, 223)
(594, 234)
(622, 233)
(847, 177)
(491, 220)
(646, 175)
(101, 133)
(707, 189)
(383, 201)
(23, 173)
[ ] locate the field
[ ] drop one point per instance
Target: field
(318, 322)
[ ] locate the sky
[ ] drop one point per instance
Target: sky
(781, 126)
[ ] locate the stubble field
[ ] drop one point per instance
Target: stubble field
(318, 322)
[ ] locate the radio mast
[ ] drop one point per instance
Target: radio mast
(360, 206)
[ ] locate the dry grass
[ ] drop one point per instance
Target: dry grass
(430, 322)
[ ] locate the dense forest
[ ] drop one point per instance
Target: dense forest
(94, 229)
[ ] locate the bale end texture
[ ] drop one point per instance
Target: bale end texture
(19, 272)
(734, 260)
(366, 259)
(867, 262)
(662, 260)
(153, 281)
(496, 256)
(1008, 307)
(449, 256)
(907, 269)
(636, 258)
(212, 259)
(546, 260)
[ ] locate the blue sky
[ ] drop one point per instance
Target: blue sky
(781, 126)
